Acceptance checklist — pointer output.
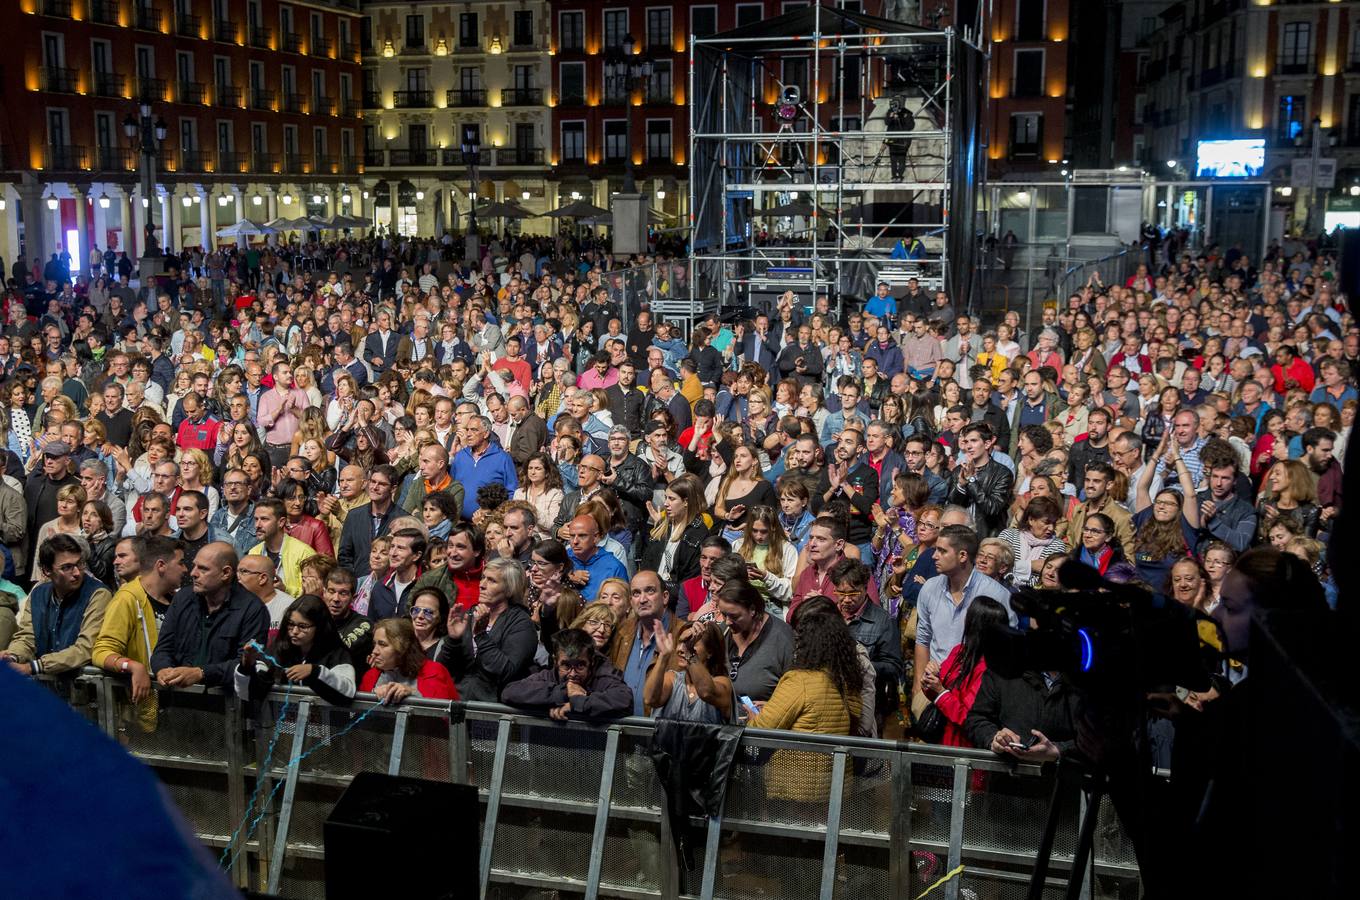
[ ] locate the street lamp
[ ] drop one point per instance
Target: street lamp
(627, 71)
(472, 158)
(1315, 154)
(146, 137)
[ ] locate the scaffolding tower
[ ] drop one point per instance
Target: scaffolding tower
(828, 149)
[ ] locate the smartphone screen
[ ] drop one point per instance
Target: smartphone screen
(750, 705)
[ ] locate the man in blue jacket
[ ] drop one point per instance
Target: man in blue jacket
(885, 352)
(590, 563)
(481, 462)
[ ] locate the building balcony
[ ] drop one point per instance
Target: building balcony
(348, 50)
(294, 164)
(1023, 150)
(232, 162)
(349, 165)
(57, 80)
(259, 37)
(524, 44)
(325, 164)
(319, 46)
(264, 162)
(413, 99)
(659, 47)
(194, 160)
(110, 84)
(291, 103)
(615, 99)
(60, 9)
(420, 157)
(1294, 67)
(261, 99)
(522, 97)
(188, 25)
(519, 156)
(227, 96)
(349, 107)
(459, 97)
(291, 43)
(225, 32)
(117, 159)
(151, 89)
(104, 12)
(191, 92)
(147, 18)
(421, 49)
(66, 158)
(571, 99)
(372, 100)
(323, 106)
(375, 159)
(656, 96)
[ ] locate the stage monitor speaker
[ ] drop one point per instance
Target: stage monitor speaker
(381, 820)
(1348, 265)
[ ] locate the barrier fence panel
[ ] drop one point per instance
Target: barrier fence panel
(577, 809)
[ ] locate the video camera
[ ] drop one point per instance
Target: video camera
(1107, 638)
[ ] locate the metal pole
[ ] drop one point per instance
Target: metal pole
(1311, 224)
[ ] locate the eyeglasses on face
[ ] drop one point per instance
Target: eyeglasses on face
(300, 626)
(420, 612)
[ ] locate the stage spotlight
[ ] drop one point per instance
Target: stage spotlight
(786, 110)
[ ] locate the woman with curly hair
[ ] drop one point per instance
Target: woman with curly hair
(820, 694)
(1289, 492)
(400, 668)
(541, 487)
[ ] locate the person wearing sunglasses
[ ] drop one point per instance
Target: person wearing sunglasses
(429, 617)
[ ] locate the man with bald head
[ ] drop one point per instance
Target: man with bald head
(528, 431)
(590, 563)
(589, 472)
(351, 491)
(209, 622)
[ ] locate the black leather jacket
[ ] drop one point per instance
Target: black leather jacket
(988, 494)
(633, 484)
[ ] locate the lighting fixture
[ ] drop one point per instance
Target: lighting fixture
(661, 195)
(420, 195)
(223, 200)
(103, 201)
(496, 45)
(345, 197)
(365, 195)
(316, 198)
(524, 195)
(186, 201)
(257, 200)
(388, 50)
(53, 203)
(287, 199)
(1171, 164)
(1355, 190)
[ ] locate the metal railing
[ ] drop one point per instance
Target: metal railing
(1029, 276)
(465, 97)
(104, 12)
(578, 807)
(110, 84)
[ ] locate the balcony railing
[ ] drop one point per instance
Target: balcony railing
(294, 164)
(110, 84)
(349, 165)
(519, 156)
(259, 37)
(117, 159)
(291, 103)
(191, 92)
(147, 18)
(319, 46)
(188, 25)
(348, 50)
(66, 158)
(349, 108)
(323, 106)
(459, 97)
(292, 43)
(264, 162)
(372, 100)
(150, 89)
(261, 99)
(104, 12)
(414, 99)
(60, 9)
(522, 97)
(194, 160)
(228, 96)
(325, 164)
(658, 96)
(225, 32)
(659, 46)
(420, 157)
(415, 49)
(375, 159)
(231, 161)
(58, 80)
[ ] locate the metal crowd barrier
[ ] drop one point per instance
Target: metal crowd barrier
(575, 809)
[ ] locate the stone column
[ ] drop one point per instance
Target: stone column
(82, 230)
(35, 212)
(131, 208)
(206, 219)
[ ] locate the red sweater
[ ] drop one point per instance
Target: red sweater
(433, 682)
(956, 702)
(469, 583)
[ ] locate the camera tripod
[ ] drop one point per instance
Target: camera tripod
(1095, 785)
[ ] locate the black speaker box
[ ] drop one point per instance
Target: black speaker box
(382, 820)
(1348, 266)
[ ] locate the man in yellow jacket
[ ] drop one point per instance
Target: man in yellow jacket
(132, 619)
(286, 552)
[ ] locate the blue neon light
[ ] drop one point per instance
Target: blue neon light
(1088, 650)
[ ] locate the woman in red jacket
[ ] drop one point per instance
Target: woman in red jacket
(400, 667)
(954, 686)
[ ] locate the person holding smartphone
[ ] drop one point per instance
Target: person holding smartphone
(1032, 717)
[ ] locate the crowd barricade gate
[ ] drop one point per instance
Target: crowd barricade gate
(576, 809)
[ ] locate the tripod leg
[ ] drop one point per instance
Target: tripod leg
(1085, 838)
(1040, 873)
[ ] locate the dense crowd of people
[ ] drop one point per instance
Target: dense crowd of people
(402, 475)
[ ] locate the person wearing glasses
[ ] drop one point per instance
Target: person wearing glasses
(256, 574)
(57, 628)
(582, 683)
(306, 652)
(849, 392)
